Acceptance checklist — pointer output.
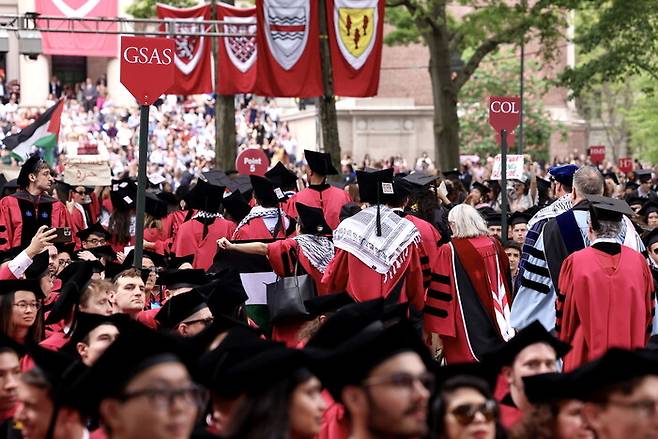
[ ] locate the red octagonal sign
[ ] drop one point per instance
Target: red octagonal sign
(504, 112)
(252, 161)
(147, 67)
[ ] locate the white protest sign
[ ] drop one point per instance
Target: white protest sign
(514, 167)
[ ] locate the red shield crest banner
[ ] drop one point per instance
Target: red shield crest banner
(91, 44)
(356, 31)
(192, 53)
(288, 48)
(236, 61)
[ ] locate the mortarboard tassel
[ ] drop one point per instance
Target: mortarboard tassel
(379, 220)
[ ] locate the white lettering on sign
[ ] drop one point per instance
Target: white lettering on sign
(248, 161)
(145, 55)
(504, 107)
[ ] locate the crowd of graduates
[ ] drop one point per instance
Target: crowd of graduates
(400, 308)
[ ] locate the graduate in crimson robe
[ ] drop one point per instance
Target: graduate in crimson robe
(30, 207)
(320, 194)
(377, 251)
(469, 304)
(199, 235)
(310, 252)
(286, 180)
(605, 291)
(266, 220)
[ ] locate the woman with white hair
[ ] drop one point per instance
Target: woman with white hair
(469, 307)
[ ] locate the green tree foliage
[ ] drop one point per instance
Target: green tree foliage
(482, 27)
(616, 39)
(642, 121)
(146, 8)
(499, 76)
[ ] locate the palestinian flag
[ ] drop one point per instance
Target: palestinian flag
(42, 133)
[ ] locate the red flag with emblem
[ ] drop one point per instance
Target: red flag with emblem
(192, 53)
(356, 32)
(236, 60)
(288, 48)
(71, 44)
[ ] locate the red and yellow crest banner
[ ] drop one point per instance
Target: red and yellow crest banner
(356, 32)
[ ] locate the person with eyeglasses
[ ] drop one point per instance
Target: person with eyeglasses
(21, 316)
(152, 395)
(382, 378)
(620, 394)
(465, 409)
(93, 236)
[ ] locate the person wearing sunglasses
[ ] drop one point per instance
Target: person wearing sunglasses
(465, 409)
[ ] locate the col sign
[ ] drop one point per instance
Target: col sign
(147, 67)
(504, 112)
(252, 161)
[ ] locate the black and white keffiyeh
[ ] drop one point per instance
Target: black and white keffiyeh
(265, 213)
(357, 235)
(318, 249)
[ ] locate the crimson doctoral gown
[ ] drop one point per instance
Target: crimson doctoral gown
(346, 272)
(23, 214)
(190, 240)
(256, 230)
(326, 197)
(604, 300)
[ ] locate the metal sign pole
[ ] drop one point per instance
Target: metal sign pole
(141, 184)
(503, 185)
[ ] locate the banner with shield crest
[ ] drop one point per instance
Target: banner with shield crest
(288, 48)
(356, 29)
(236, 57)
(192, 57)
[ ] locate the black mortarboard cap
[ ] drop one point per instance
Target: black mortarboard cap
(282, 177)
(71, 270)
(176, 261)
(72, 289)
(13, 285)
(482, 371)
(480, 187)
(549, 387)
(167, 197)
(240, 344)
(493, 219)
(178, 308)
(9, 187)
(452, 174)
(200, 343)
(39, 266)
(9, 344)
(351, 361)
(644, 175)
(420, 179)
(87, 322)
(186, 278)
(615, 367)
(236, 206)
(94, 229)
(265, 191)
(635, 200)
(607, 209)
(311, 220)
(112, 269)
(60, 369)
(224, 294)
(321, 305)
(519, 218)
(401, 189)
(65, 247)
(631, 185)
(348, 210)
(158, 259)
(320, 162)
(103, 251)
(205, 196)
(543, 185)
(217, 177)
(154, 206)
(124, 194)
(650, 238)
(535, 332)
(370, 185)
(243, 184)
(28, 168)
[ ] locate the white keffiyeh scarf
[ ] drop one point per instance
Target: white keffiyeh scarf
(271, 213)
(357, 235)
(318, 249)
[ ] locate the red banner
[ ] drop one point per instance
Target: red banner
(192, 57)
(236, 63)
(91, 44)
(356, 32)
(288, 49)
